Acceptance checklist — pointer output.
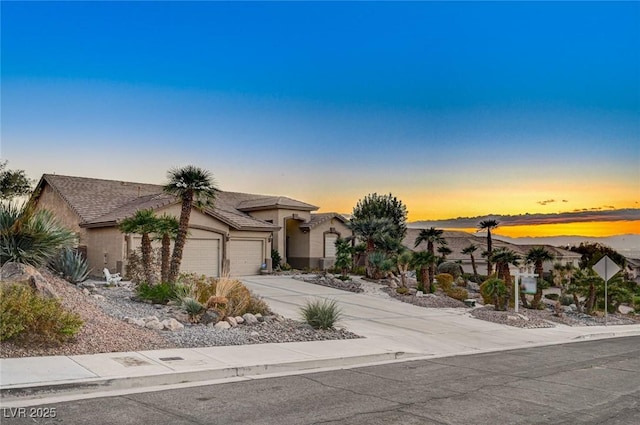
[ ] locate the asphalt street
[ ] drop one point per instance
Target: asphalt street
(593, 382)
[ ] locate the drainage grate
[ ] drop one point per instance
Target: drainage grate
(168, 359)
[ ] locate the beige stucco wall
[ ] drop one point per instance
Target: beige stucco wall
(278, 217)
(197, 219)
(50, 200)
(105, 248)
(317, 235)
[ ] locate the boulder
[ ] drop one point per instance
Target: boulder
(625, 309)
(98, 297)
(16, 273)
(239, 320)
(232, 321)
(172, 324)
(222, 325)
(209, 316)
(154, 324)
(249, 319)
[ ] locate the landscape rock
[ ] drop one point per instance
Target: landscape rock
(134, 321)
(232, 321)
(239, 320)
(154, 324)
(625, 309)
(16, 273)
(172, 324)
(419, 294)
(97, 297)
(209, 316)
(250, 319)
(86, 292)
(222, 325)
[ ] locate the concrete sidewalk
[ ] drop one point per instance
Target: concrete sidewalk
(392, 331)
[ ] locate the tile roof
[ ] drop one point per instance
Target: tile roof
(106, 202)
(267, 202)
(319, 218)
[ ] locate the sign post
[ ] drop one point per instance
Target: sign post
(606, 269)
(528, 281)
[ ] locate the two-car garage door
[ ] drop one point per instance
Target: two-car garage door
(201, 256)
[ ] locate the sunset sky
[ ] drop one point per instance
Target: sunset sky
(458, 109)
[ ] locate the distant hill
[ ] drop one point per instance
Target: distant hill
(627, 245)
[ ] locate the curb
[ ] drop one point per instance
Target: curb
(77, 387)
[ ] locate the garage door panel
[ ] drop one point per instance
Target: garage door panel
(246, 257)
(201, 256)
(330, 245)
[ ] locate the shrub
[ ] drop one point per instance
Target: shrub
(276, 259)
(566, 300)
(449, 267)
(445, 281)
(402, 290)
(552, 297)
(24, 313)
(161, 293)
(321, 314)
(70, 265)
(360, 271)
(258, 305)
(458, 293)
(193, 308)
(135, 266)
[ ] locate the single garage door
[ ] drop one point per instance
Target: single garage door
(201, 256)
(245, 257)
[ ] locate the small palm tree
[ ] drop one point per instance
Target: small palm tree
(143, 222)
(538, 256)
(421, 262)
(195, 187)
(488, 225)
(502, 258)
(371, 231)
(444, 250)
(469, 250)
(431, 236)
(403, 263)
(167, 230)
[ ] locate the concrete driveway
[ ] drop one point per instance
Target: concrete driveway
(394, 325)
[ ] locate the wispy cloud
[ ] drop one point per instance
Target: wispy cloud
(548, 201)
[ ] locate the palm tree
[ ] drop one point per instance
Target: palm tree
(403, 263)
(444, 250)
(488, 225)
(431, 236)
(143, 222)
(371, 231)
(195, 187)
(469, 250)
(537, 256)
(422, 261)
(167, 230)
(502, 258)
(31, 236)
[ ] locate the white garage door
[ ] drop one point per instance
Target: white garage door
(201, 256)
(245, 257)
(330, 245)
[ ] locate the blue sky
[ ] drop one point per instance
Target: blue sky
(457, 108)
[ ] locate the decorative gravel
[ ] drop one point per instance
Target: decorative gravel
(104, 329)
(331, 282)
(428, 300)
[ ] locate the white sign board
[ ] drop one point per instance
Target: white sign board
(606, 268)
(529, 284)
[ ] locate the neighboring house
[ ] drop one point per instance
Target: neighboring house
(633, 269)
(457, 241)
(236, 235)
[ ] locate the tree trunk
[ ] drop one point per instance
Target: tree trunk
(576, 301)
(146, 258)
(475, 269)
(166, 258)
(591, 300)
(489, 250)
(367, 268)
(181, 238)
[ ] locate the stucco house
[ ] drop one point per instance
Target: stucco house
(236, 235)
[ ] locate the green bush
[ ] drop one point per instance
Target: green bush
(495, 292)
(70, 265)
(402, 290)
(258, 305)
(454, 269)
(566, 300)
(276, 259)
(444, 281)
(552, 297)
(458, 293)
(360, 271)
(321, 314)
(161, 293)
(24, 313)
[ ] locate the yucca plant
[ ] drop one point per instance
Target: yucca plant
(321, 314)
(70, 265)
(30, 236)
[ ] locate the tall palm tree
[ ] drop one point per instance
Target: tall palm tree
(488, 225)
(143, 222)
(502, 257)
(370, 230)
(166, 230)
(431, 236)
(538, 256)
(195, 187)
(469, 250)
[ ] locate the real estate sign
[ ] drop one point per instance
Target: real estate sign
(529, 284)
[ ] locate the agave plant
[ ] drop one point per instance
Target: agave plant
(193, 308)
(70, 265)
